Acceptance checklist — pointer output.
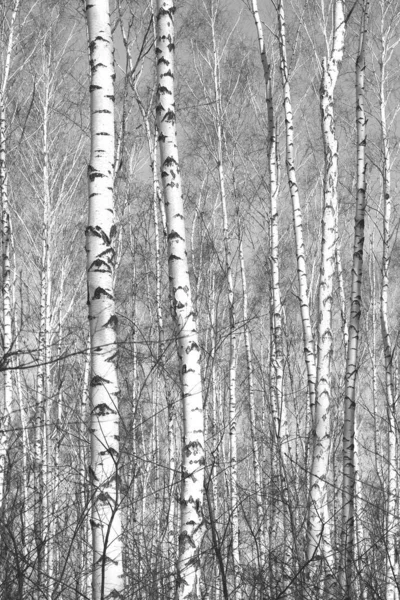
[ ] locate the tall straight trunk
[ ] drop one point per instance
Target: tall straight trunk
(342, 297)
(107, 573)
(253, 426)
(276, 304)
(360, 545)
(151, 140)
(349, 469)
(43, 387)
(171, 553)
(391, 525)
(319, 543)
(278, 405)
(6, 405)
(82, 583)
(237, 592)
(46, 333)
(274, 191)
(297, 215)
(214, 498)
(192, 489)
(159, 367)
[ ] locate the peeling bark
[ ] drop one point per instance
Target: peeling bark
(108, 578)
(309, 354)
(319, 542)
(192, 520)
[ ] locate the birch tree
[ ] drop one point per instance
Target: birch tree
(191, 533)
(349, 463)
(276, 358)
(319, 544)
(386, 52)
(6, 408)
(309, 354)
(100, 235)
(234, 501)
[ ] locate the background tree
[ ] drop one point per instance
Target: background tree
(216, 57)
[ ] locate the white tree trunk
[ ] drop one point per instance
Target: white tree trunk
(192, 528)
(297, 215)
(342, 297)
(237, 594)
(108, 579)
(391, 526)
(319, 543)
(6, 404)
(349, 470)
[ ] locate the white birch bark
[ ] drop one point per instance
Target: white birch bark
(349, 469)
(44, 367)
(276, 305)
(237, 592)
(342, 297)
(387, 343)
(319, 544)
(297, 214)
(6, 407)
(107, 574)
(41, 487)
(361, 547)
(191, 533)
(83, 582)
(278, 405)
(372, 354)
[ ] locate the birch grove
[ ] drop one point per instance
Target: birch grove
(200, 371)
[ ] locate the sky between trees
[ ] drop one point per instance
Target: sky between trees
(215, 185)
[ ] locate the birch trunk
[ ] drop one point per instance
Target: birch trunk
(391, 527)
(276, 304)
(237, 593)
(107, 579)
(349, 469)
(82, 583)
(6, 406)
(191, 534)
(253, 428)
(42, 390)
(44, 367)
(278, 406)
(319, 543)
(339, 269)
(297, 215)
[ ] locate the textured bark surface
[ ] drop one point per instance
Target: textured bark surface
(297, 213)
(234, 499)
(104, 391)
(349, 462)
(319, 543)
(391, 485)
(6, 402)
(191, 533)
(279, 413)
